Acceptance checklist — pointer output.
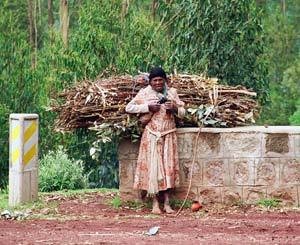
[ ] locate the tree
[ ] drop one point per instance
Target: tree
(64, 21)
(222, 38)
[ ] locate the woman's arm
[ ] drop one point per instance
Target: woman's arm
(137, 104)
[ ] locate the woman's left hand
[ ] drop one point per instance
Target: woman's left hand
(171, 106)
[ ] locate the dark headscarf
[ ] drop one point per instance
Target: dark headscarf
(157, 72)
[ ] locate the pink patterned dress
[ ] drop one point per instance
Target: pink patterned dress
(157, 165)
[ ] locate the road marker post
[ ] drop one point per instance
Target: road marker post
(23, 158)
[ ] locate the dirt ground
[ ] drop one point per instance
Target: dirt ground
(91, 219)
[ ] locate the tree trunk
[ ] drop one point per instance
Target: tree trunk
(125, 6)
(283, 6)
(64, 21)
(154, 7)
(50, 14)
(32, 31)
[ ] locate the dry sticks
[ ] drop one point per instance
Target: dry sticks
(91, 103)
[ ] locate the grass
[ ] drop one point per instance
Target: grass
(41, 203)
(269, 203)
(116, 202)
(3, 199)
(176, 203)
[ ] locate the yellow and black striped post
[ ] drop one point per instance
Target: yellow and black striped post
(23, 158)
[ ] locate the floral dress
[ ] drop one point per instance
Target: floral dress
(157, 165)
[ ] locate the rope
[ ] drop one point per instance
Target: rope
(191, 175)
(214, 100)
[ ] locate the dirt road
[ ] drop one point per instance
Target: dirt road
(92, 220)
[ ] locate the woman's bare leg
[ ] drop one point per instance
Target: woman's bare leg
(155, 206)
(167, 206)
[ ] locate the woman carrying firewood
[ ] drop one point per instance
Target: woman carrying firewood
(157, 168)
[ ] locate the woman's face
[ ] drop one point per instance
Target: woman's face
(157, 84)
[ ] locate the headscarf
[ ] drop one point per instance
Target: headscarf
(157, 72)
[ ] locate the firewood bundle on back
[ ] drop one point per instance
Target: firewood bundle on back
(92, 103)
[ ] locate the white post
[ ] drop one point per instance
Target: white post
(23, 158)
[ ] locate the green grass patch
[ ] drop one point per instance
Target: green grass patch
(269, 203)
(42, 196)
(116, 202)
(176, 203)
(3, 199)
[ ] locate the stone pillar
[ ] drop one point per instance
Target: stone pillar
(23, 158)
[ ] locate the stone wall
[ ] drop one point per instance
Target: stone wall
(232, 165)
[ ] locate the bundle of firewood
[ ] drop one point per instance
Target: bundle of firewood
(92, 103)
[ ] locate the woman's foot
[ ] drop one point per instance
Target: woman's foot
(155, 207)
(168, 209)
(156, 210)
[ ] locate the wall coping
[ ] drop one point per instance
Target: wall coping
(246, 129)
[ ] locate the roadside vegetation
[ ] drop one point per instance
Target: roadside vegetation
(47, 46)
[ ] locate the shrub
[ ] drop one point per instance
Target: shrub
(269, 203)
(58, 172)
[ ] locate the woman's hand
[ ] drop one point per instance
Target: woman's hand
(154, 107)
(171, 106)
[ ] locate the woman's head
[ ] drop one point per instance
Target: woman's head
(157, 79)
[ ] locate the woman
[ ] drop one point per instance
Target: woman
(157, 165)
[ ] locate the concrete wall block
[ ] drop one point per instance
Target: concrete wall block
(181, 191)
(278, 145)
(128, 150)
(129, 195)
(242, 171)
(237, 145)
(209, 145)
(210, 194)
(267, 171)
(216, 172)
(253, 194)
(290, 171)
(126, 174)
(185, 145)
(185, 172)
(287, 194)
(232, 195)
(297, 144)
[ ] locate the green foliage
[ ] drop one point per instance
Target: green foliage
(58, 172)
(4, 118)
(106, 173)
(116, 202)
(221, 38)
(282, 36)
(3, 199)
(295, 118)
(269, 203)
(176, 203)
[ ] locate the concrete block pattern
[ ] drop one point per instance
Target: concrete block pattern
(231, 195)
(237, 145)
(278, 145)
(290, 171)
(244, 164)
(242, 171)
(209, 145)
(253, 194)
(186, 170)
(127, 171)
(210, 195)
(267, 171)
(185, 145)
(287, 194)
(216, 172)
(128, 150)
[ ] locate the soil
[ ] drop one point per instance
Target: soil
(91, 219)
